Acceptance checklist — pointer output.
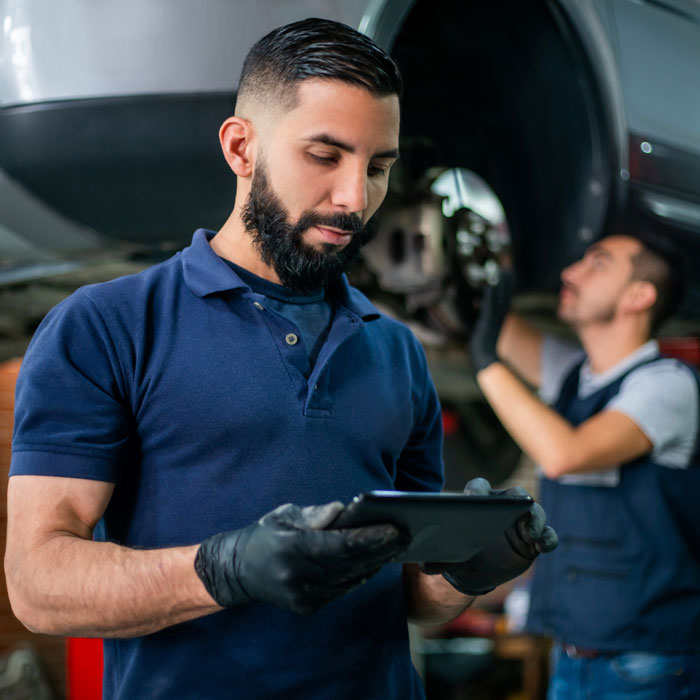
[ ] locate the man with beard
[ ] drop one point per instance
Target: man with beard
(188, 407)
(620, 472)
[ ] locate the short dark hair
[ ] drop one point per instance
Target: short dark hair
(660, 262)
(316, 48)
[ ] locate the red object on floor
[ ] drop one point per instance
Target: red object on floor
(471, 623)
(687, 349)
(84, 677)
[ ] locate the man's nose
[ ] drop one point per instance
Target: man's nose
(350, 190)
(570, 273)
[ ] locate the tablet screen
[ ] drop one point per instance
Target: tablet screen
(444, 527)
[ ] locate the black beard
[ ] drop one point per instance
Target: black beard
(299, 266)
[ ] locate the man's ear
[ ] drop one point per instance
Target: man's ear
(640, 296)
(235, 136)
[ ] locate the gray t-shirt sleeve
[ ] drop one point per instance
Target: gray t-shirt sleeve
(662, 399)
(557, 359)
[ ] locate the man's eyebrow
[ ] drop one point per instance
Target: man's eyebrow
(599, 250)
(349, 148)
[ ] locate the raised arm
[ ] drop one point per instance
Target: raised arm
(520, 347)
(61, 582)
(606, 439)
(503, 346)
(501, 335)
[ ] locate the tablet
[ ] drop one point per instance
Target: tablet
(444, 527)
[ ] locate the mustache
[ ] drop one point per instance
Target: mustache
(344, 222)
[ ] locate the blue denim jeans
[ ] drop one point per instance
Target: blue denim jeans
(624, 676)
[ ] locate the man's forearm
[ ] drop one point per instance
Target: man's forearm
(432, 600)
(76, 587)
(520, 347)
(539, 431)
(605, 439)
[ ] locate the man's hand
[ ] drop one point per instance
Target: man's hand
(289, 559)
(495, 304)
(507, 556)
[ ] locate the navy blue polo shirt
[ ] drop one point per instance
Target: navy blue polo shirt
(179, 386)
(310, 312)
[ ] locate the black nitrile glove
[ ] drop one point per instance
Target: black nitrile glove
(289, 560)
(495, 303)
(507, 556)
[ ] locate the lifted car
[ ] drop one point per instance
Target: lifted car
(528, 129)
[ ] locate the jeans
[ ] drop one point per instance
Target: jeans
(624, 676)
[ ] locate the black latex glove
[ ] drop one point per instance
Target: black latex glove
(289, 560)
(495, 303)
(507, 556)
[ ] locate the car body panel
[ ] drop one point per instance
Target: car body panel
(76, 49)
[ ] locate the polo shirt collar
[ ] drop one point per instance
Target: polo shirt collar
(206, 273)
(354, 300)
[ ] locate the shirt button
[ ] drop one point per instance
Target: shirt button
(258, 306)
(291, 339)
(315, 387)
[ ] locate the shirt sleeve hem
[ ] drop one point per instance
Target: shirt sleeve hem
(27, 462)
